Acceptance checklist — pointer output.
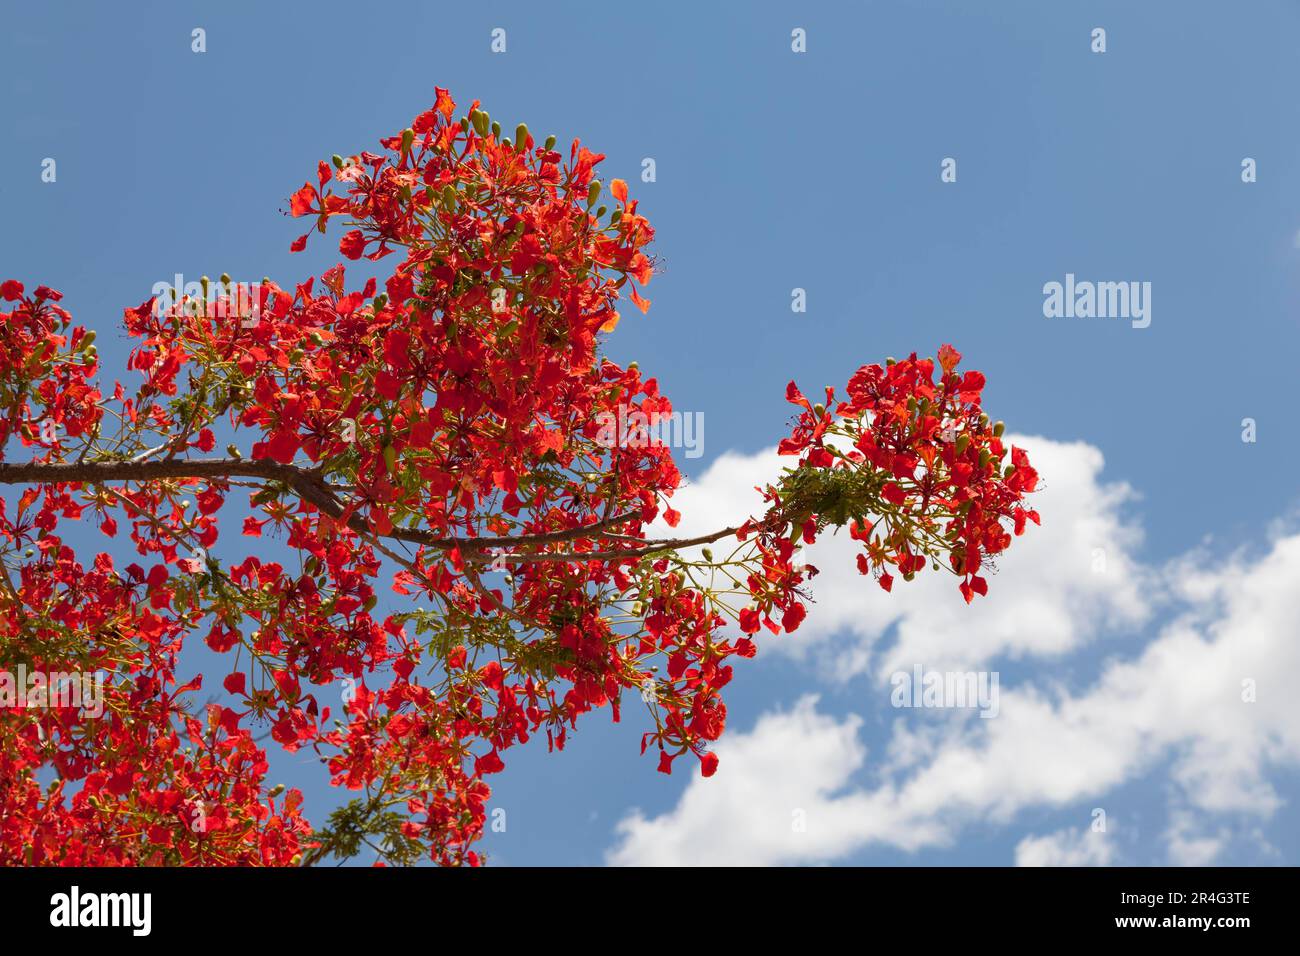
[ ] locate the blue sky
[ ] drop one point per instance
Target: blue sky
(821, 170)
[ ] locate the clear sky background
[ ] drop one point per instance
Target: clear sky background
(820, 170)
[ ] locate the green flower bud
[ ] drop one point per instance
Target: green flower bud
(496, 130)
(449, 197)
(337, 160)
(999, 428)
(233, 451)
(963, 442)
(550, 143)
(708, 553)
(600, 212)
(593, 192)
(614, 219)
(480, 121)
(381, 300)
(521, 135)
(408, 138)
(225, 278)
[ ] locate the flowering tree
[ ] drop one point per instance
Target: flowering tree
(442, 439)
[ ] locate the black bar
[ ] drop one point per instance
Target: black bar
(336, 905)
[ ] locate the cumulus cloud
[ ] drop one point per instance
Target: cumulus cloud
(1083, 847)
(1056, 588)
(1190, 844)
(786, 798)
(1205, 700)
(779, 804)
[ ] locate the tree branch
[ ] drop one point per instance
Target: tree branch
(652, 546)
(308, 484)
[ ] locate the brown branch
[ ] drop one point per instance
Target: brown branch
(308, 484)
(652, 546)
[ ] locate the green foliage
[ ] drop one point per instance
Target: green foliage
(361, 824)
(834, 495)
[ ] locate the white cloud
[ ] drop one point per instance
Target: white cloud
(1174, 704)
(1047, 598)
(1189, 845)
(1083, 847)
(779, 801)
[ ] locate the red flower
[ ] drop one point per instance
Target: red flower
(353, 244)
(489, 763)
(303, 201)
(280, 446)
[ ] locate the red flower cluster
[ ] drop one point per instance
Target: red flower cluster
(932, 466)
(912, 466)
(44, 397)
(139, 779)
